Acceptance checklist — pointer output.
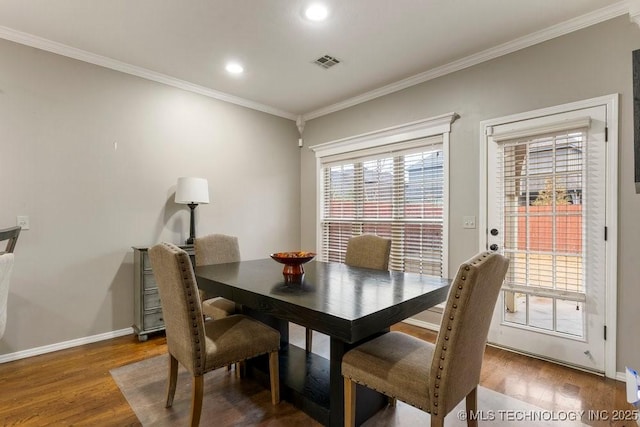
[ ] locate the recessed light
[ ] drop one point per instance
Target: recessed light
(316, 12)
(234, 68)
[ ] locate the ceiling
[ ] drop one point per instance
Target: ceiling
(383, 45)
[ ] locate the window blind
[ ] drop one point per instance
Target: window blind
(542, 182)
(396, 194)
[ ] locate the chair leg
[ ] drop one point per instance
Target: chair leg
(472, 407)
(437, 421)
(173, 379)
(349, 403)
(241, 369)
(196, 400)
(274, 376)
(309, 340)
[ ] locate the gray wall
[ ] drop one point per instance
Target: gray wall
(88, 203)
(589, 63)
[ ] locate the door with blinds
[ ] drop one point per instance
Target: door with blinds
(546, 212)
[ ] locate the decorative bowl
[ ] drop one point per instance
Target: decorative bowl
(293, 270)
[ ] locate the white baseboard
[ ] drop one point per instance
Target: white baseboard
(422, 324)
(23, 354)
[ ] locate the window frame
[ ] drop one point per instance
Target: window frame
(387, 140)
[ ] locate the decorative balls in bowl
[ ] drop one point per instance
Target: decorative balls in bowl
(293, 270)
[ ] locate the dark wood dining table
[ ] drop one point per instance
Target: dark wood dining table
(351, 305)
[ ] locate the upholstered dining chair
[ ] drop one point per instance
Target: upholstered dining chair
(434, 378)
(366, 251)
(216, 249)
(202, 346)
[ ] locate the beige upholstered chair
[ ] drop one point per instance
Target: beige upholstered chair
(204, 346)
(366, 251)
(217, 249)
(434, 378)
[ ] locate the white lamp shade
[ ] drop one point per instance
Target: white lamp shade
(192, 190)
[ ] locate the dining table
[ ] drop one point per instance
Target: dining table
(349, 304)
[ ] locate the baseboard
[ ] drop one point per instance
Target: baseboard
(23, 354)
(422, 324)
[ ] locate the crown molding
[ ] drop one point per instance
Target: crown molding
(103, 61)
(634, 11)
(631, 7)
(549, 33)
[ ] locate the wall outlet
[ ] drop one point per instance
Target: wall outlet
(22, 221)
(469, 221)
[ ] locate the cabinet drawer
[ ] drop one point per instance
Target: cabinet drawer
(153, 320)
(146, 264)
(148, 281)
(151, 299)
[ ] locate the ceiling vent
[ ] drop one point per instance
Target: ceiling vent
(326, 61)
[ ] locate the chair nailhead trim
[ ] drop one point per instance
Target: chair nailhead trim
(185, 269)
(454, 307)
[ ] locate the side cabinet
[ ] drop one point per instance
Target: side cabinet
(147, 308)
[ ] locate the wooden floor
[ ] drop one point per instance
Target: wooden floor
(74, 386)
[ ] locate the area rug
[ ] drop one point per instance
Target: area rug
(231, 401)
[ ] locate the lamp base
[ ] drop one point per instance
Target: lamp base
(192, 224)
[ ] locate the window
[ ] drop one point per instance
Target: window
(396, 190)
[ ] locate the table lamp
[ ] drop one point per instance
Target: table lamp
(191, 192)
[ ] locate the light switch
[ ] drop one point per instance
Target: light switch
(22, 221)
(469, 221)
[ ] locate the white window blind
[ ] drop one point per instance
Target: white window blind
(398, 194)
(541, 199)
(543, 180)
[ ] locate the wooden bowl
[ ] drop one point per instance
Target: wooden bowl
(293, 270)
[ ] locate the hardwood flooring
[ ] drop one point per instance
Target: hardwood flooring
(74, 386)
(550, 386)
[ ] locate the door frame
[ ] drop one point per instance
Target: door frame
(611, 210)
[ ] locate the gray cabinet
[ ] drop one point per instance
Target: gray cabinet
(147, 308)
